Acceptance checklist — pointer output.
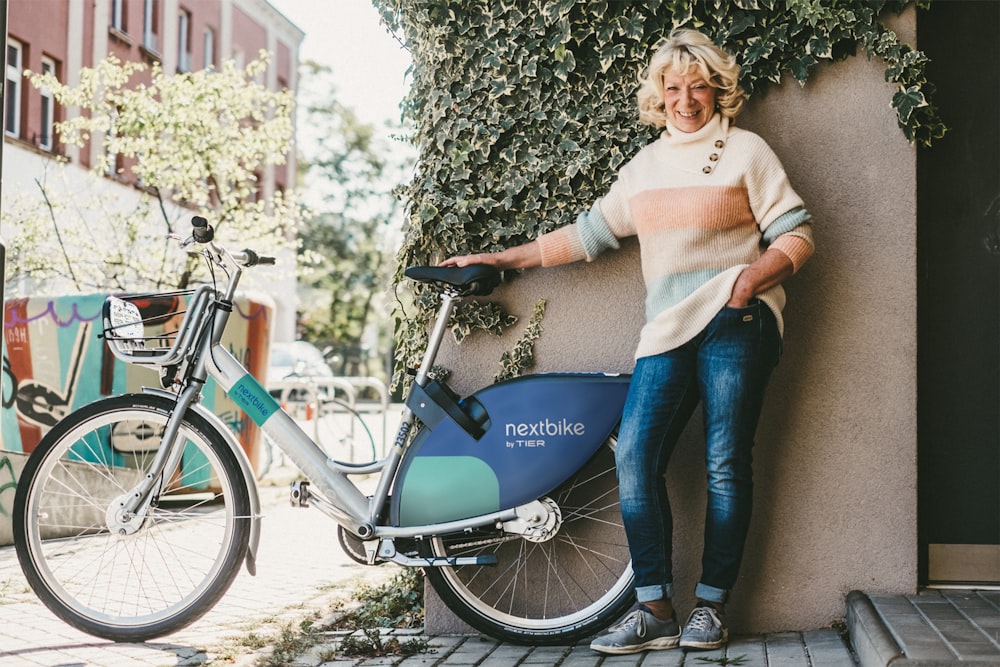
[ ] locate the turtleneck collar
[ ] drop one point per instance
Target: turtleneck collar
(698, 151)
(716, 127)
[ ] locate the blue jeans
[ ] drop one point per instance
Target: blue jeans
(726, 368)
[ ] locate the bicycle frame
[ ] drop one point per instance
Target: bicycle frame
(337, 495)
(520, 475)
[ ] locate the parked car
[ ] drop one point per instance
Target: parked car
(298, 362)
(298, 359)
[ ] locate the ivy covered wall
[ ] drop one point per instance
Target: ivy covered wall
(525, 109)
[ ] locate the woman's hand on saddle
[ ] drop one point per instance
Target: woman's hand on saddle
(468, 260)
(519, 257)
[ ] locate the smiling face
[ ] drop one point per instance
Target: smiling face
(688, 99)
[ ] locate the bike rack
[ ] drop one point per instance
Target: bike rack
(317, 389)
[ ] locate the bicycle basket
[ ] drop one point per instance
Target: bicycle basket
(157, 329)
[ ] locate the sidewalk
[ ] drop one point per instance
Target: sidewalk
(930, 628)
(301, 570)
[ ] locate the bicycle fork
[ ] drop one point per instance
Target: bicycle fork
(126, 513)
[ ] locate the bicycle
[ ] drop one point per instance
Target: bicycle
(134, 513)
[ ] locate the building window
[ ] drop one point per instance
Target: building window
(46, 131)
(184, 41)
(12, 94)
(118, 15)
(209, 57)
(150, 26)
(115, 161)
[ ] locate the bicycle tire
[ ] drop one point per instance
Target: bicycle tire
(550, 593)
(173, 565)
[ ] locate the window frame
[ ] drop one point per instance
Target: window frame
(208, 46)
(14, 89)
(47, 125)
(150, 26)
(183, 40)
(119, 15)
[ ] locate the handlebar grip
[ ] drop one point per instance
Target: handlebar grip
(202, 232)
(253, 259)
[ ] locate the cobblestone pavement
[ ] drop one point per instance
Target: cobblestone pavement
(301, 572)
(822, 648)
(301, 569)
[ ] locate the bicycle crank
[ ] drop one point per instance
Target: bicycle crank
(353, 546)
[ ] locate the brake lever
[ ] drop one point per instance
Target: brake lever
(181, 241)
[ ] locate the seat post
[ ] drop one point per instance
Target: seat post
(448, 301)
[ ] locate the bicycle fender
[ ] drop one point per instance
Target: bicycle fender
(245, 468)
(538, 431)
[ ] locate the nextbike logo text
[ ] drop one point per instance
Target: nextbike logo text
(250, 399)
(253, 399)
(544, 428)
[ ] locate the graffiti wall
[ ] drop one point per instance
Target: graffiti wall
(11, 465)
(55, 361)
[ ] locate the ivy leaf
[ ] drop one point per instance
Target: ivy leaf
(757, 49)
(741, 21)
(819, 46)
(800, 67)
(906, 101)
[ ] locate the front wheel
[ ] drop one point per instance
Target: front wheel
(130, 578)
(546, 592)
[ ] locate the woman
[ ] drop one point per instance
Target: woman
(720, 228)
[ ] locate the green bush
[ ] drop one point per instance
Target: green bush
(525, 109)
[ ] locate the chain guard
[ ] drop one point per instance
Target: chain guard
(352, 545)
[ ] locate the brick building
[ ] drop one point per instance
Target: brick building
(63, 36)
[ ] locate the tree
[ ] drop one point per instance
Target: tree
(194, 143)
(347, 246)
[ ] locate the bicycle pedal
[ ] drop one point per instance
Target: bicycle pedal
(300, 494)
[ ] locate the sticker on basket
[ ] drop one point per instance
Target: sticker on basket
(126, 323)
(253, 399)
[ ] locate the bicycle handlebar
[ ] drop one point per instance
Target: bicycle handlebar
(203, 232)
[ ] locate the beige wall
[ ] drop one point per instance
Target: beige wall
(835, 496)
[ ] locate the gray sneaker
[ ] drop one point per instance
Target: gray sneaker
(639, 631)
(705, 628)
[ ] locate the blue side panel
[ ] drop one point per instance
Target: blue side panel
(541, 429)
(464, 477)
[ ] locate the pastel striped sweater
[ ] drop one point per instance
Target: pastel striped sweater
(703, 205)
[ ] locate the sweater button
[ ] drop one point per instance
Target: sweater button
(713, 157)
(707, 169)
(719, 143)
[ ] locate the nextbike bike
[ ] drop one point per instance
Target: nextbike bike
(135, 513)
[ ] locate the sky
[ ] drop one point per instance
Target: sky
(369, 65)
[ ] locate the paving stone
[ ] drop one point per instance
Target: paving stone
(827, 648)
(545, 655)
(633, 660)
(749, 651)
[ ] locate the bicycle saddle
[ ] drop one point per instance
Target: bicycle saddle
(473, 280)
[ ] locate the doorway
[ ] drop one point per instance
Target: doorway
(958, 295)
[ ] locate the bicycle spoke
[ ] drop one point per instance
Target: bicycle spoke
(146, 574)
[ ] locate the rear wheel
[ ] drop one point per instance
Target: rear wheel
(553, 592)
(130, 578)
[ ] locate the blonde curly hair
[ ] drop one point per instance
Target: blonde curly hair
(683, 51)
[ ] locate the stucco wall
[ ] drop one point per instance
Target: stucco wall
(835, 464)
